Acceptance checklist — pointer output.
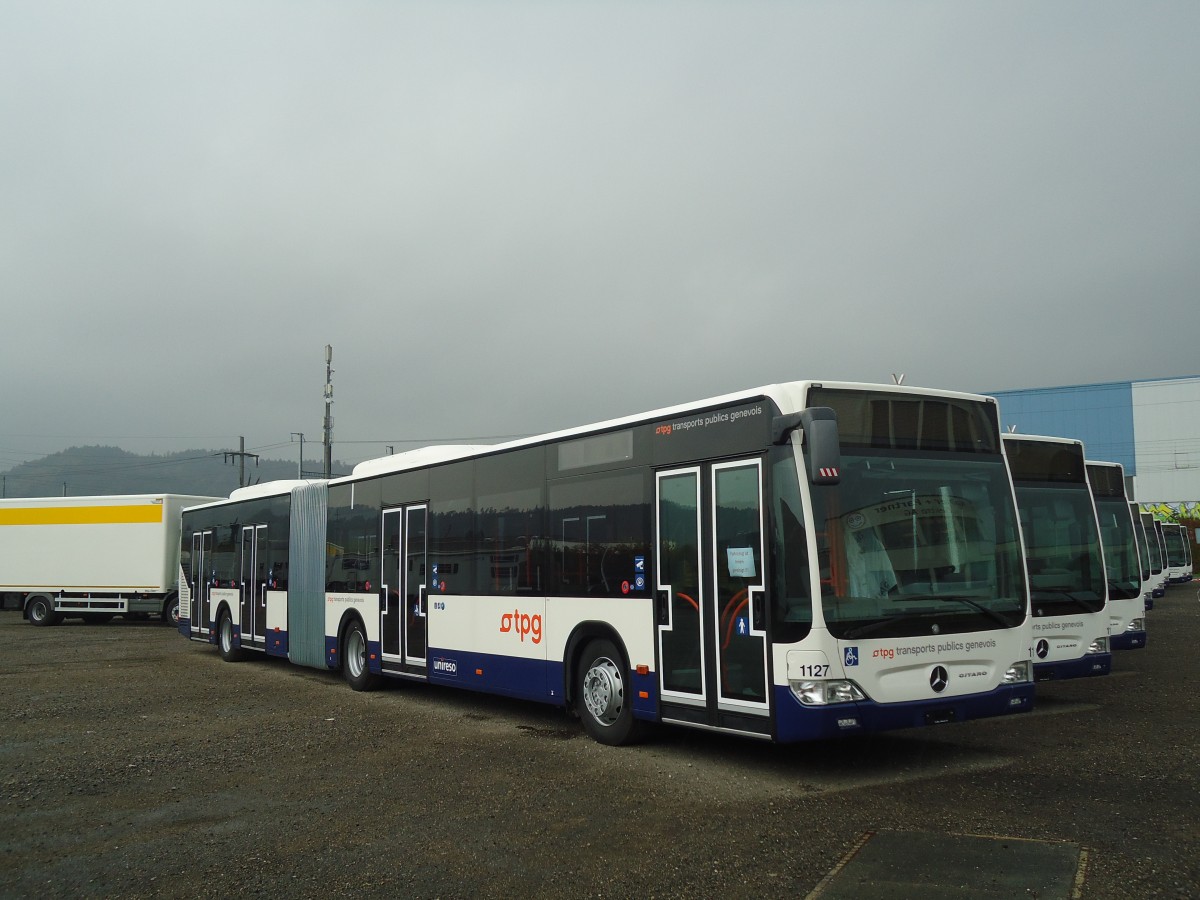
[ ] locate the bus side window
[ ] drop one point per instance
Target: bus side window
(599, 525)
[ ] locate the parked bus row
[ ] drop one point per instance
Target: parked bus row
(795, 562)
(801, 561)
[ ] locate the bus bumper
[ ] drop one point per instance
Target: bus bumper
(1083, 667)
(795, 722)
(1129, 640)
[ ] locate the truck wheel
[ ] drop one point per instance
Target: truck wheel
(225, 638)
(603, 696)
(355, 663)
(170, 611)
(40, 611)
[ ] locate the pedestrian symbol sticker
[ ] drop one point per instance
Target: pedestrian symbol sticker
(743, 626)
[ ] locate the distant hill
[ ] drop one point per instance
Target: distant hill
(90, 471)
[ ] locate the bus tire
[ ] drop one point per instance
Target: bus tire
(604, 696)
(229, 653)
(40, 611)
(355, 658)
(170, 611)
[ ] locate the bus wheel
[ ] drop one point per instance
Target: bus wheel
(355, 665)
(170, 611)
(225, 638)
(41, 611)
(603, 696)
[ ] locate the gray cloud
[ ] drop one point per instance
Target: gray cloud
(510, 218)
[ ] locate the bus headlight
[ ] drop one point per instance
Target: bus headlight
(1018, 673)
(1136, 625)
(1099, 645)
(823, 693)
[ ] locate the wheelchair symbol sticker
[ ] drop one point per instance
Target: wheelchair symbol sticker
(850, 656)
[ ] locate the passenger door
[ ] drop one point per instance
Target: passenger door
(402, 587)
(711, 596)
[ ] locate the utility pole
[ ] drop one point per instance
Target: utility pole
(241, 455)
(300, 467)
(328, 410)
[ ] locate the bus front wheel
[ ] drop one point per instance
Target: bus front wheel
(603, 695)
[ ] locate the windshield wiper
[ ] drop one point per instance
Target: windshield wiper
(1065, 594)
(974, 604)
(880, 624)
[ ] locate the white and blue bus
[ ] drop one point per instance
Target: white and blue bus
(1068, 590)
(1179, 561)
(1158, 556)
(799, 561)
(1139, 534)
(1126, 596)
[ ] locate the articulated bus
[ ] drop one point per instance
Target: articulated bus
(1179, 564)
(796, 562)
(1126, 602)
(1068, 590)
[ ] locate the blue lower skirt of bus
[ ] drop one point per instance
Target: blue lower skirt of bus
(1084, 667)
(795, 722)
(527, 679)
(277, 643)
(1129, 640)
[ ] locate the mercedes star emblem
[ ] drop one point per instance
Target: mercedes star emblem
(938, 679)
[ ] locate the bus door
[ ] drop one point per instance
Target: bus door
(199, 580)
(711, 596)
(402, 586)
(254, 584)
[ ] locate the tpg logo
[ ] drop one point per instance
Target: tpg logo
(522, 624)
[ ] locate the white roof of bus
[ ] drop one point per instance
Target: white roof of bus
(787, 396)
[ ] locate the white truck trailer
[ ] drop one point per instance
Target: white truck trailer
(92, 557)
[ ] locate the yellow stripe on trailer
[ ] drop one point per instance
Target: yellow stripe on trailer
(82, 515)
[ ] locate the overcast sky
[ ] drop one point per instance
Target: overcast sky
(516, 217)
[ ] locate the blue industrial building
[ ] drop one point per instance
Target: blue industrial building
(1151, 427)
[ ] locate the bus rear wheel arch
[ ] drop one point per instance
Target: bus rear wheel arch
(603, 694)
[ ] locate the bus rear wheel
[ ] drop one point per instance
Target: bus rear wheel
(603, 696)
(229, 653)
(355, 658)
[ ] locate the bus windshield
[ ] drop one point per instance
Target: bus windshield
(1176, 552)
(1062, 550)
(917, 544)
(1120, 548)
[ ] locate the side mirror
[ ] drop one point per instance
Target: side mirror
(819, 424)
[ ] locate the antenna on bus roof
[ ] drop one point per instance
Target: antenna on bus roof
(897, 379)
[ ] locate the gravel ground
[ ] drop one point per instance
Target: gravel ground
(134, 763)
